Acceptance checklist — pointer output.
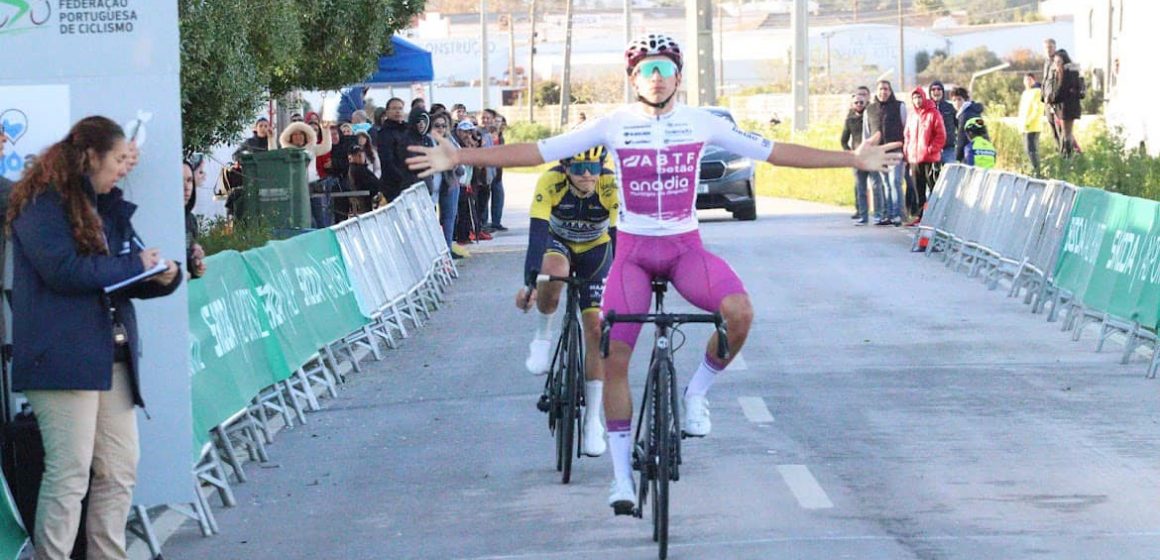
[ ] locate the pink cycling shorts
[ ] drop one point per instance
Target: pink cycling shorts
(698, 275)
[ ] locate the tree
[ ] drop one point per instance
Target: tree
(237, 54)
(220, 83)
(933, 7)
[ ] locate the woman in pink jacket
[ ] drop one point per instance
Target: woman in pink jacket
(923, 141)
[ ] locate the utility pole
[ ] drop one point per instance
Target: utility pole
(698, 72)
(855, 11)
(511, 51)
(800, 72)
(484, 101)
(1108, 68)
(829, 69)
(720, 50)
(628, 97)
(901, 52)
(532, 66)
(566, 79)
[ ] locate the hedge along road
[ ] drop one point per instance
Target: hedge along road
(884, 408)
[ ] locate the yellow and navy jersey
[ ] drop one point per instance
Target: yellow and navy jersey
(580, 222)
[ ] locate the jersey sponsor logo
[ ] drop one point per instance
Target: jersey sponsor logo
(665, 162)
(671, 183)
(753, 136)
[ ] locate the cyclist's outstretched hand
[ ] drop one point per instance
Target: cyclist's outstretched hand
(430, 161)
(524, 299)
(873, 157)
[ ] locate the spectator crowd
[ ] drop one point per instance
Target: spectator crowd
(936, 126)
(358, 163)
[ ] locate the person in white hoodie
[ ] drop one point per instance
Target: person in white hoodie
(301, 135)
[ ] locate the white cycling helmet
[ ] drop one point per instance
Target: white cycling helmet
(653, 44)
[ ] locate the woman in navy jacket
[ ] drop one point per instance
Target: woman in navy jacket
(76, 348)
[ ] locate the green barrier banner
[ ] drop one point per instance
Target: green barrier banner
(12, 535)
(255, 317)
(307, 291)
(1110, 258)
(232, 355)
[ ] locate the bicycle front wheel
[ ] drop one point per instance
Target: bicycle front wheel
(664, 428)
(570, 402)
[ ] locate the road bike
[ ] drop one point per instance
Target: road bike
(563, 396)
(657, 442)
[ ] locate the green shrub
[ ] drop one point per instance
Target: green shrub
(223, 234)
(829, 186)
(526, 132)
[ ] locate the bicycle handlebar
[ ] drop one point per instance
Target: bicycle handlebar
(571, 280)
(668, 320)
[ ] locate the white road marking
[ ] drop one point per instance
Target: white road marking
(755, 409)
(805, 487)
(738, 364)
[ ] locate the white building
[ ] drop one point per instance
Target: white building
(1114, 38)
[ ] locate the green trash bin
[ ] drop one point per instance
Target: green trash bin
(276, 189)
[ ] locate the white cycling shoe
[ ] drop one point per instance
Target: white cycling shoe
(593, 444)
(695, 422)
(623, 497)
(539, 357)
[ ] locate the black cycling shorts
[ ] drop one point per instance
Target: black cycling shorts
(592, 264)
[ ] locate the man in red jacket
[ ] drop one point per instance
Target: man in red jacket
(923, 141)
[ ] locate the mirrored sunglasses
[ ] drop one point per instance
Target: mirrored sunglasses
(666, 68)
(579, 167)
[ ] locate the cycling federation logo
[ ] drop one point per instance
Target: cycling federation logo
(31, 119)
(14, 125)
(17, 15)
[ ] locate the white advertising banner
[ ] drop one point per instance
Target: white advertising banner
(60, 61)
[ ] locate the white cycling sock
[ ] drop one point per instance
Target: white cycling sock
(620, 445)
(703, 379)
(544, 325)
(593, 400)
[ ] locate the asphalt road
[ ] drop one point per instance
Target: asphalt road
(884, 408)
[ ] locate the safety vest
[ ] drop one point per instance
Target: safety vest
(984, 152)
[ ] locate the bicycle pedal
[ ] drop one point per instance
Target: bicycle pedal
(687, 435)
(623, 508)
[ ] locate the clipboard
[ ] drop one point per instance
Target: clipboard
(157, 269)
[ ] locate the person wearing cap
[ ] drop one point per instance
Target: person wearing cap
(467, 219)
(657, 233)
(262, 140)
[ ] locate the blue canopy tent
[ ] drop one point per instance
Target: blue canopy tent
(408, 64)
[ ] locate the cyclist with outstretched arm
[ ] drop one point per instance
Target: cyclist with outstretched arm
(573, 228)
(657, 144)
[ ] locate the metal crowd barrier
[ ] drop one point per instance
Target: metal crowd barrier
(999, 226)
(400, 266)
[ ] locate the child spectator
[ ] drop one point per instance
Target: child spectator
(979, 152)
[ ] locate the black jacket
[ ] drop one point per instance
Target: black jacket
(885, 117)
(411, 138)
(975, 109)
(852, 132)
(258, 144)
(388, 140)
(62, 333)
(1064, 95)
(946, 109)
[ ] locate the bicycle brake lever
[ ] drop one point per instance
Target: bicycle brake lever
(722, 341)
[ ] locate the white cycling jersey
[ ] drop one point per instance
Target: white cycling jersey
(658, 161)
